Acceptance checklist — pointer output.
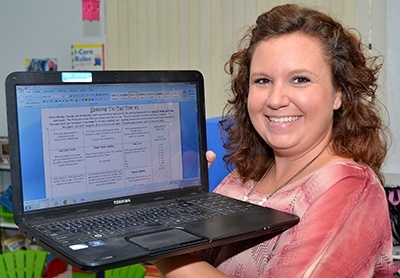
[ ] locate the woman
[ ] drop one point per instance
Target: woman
(305, 136)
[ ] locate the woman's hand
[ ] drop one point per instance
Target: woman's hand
(210, 156)
(186, 266)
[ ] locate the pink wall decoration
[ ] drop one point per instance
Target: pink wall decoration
(90, 10)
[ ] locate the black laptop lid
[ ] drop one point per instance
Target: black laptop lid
(82, 140)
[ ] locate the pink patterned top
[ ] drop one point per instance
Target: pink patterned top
(344, 229)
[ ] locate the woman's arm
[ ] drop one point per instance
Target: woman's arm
(186, 266)
(345, 233)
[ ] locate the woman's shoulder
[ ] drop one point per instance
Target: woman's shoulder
(343, 180)
(346, 169)
(342, 176)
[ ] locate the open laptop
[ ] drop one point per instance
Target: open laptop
(112, 146)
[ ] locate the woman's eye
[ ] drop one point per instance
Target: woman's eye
(301, 80)
(262, 81)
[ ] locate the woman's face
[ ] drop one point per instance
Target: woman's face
(291, 98)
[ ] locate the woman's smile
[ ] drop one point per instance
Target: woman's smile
(283, 120)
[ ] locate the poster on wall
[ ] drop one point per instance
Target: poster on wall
(87, 56)
(47, 64)
(4, 150)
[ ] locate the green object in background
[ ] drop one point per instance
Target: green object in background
(6, 215)
(131, 271)
(83, 275)
(23, 264)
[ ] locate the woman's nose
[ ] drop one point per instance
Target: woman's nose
(278, 96)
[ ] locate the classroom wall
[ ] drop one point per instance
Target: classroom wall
(392, 60)
(41, 29)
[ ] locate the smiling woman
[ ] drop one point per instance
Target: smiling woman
(305, 135)
(291, 96)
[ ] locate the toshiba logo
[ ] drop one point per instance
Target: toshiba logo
(122, 201)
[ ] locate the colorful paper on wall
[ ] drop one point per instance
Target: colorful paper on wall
(91, 10)
(48, 64)
(4, 150)
(87, 56)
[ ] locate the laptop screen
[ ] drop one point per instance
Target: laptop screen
(86, 142)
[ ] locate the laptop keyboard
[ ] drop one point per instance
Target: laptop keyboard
(74, 231)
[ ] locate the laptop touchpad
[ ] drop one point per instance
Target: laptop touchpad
(165, 239)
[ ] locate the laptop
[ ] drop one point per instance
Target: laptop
(108, 168)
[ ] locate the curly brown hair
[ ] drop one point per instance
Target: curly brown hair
(359, 132)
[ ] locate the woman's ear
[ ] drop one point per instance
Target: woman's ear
(338, 100)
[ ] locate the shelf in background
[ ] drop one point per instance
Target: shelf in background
(392, 180)
(396, 252)
(8, 225)
(4, 166)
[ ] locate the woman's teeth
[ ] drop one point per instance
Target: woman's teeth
(284, 119)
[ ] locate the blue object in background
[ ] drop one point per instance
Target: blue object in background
(6, 199)
(218, 170)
